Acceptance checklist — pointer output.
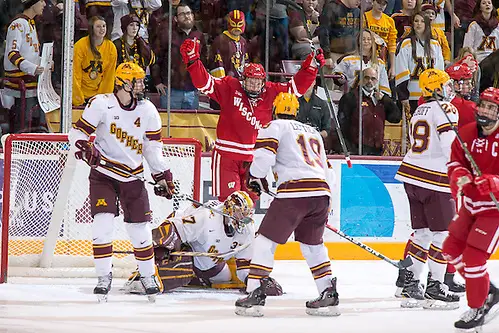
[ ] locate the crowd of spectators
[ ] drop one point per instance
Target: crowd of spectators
(397, 41)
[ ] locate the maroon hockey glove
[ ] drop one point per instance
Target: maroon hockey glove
(460, 180)
(165, 187)
(88, 153)
(190, 50)
(257, 185)
(487, 183)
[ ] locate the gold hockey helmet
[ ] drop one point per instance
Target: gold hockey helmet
(432, 79)
(286, 104)
(129, 71)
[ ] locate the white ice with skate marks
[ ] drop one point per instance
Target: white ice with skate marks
(366, 291)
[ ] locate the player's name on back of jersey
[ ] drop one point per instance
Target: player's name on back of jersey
(302, 127)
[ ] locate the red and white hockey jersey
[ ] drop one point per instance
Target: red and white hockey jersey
(204, 231)
(408, 69)
(425, 165)
(481, 44)
(485, 152)
(22, 56)
(296, 154)
(350, 67)
(241, 118)
(123, 135)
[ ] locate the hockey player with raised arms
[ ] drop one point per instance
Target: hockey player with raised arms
(246, 106)
(201, 229)
(473, 233)
(295, 153)
(127, 129)
(423, 172)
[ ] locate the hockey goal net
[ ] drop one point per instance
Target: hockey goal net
(46, 221)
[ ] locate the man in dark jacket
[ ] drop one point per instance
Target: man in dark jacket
(376, 108)
(313, 111)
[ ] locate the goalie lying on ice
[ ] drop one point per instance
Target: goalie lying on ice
(200, 229)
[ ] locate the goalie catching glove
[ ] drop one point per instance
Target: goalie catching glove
(165, 186)
(88, 153)
(257, 185)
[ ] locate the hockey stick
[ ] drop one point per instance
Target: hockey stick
(245, 220)
(401, 264)
(293, 5)
(463, 146)
(199, 254)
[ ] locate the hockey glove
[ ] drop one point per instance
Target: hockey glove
(190, 50)
(165, 187)
(88, 153)
(487, 183)
(257, 185)
(319, 57)
(460, 180)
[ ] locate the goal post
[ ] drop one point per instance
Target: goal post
(46, 221)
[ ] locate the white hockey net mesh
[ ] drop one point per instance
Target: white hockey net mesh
(36, 179)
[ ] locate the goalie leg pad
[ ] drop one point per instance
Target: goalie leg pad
(177, 271)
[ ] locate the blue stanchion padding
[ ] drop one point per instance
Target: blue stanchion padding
(366, 207)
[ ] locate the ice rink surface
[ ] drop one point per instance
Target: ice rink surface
(366, 301)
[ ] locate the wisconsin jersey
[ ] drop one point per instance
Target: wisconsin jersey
(431, 135)
(485, 152)
(22, 55)
(350, 67)
(481, 44)
(296, 154)
(408, 69)
(204, 231)
(123, 135)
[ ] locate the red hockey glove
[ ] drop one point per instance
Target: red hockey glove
(257, 185)
(88, 153)
(165, 187)
(190, 50)
(460, 180)
(487, 183)
(319, 56)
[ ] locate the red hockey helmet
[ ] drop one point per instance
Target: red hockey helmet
(253, 70)
(236, 21)
(491, 95)
(459, 72)
(487, 114)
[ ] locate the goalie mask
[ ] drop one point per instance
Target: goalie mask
(487, 114)
(130, 77)
(240, 206)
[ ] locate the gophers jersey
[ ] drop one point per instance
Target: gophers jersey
(425, 165)
(204, 231)
(123, 135)
(485, 151)
(22, 56)
(481, 44)
(296, 154)
(408, 69)
(141, 8)
(350, 67)
(439, 21)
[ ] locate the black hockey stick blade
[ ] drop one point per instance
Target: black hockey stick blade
(403, 264)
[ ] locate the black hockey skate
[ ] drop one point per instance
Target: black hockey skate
(438, 297)
(471, 320)
(150, 287)
(103, 287)
(491, 304)
(455, 287)
(326, 304)
(400, 283)
(252, 305)
(412, 292)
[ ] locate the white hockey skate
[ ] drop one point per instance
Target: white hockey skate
(103, 287)
(150, 287)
